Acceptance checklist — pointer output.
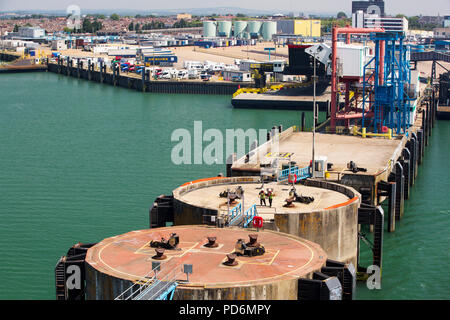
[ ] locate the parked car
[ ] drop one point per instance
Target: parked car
(182, 74)
(205, 76)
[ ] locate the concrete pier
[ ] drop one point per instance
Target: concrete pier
(135, 82)
(9, 56)
(117, 262)
(443, 112)
(377, 156)
(390, 166)
(277, 102)
(22, 69)
(330, 220)
(17, 65)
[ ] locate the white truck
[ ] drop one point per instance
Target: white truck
(194, 65)
(168, 74)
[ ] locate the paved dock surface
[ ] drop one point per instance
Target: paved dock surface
(373, 154)
(209, 198)
(129, 256)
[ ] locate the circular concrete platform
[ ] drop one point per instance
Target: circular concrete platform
(129, 257)
(209, 197)
(331, 220)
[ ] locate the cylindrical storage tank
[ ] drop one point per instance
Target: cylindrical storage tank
(254, 28)
(239, 28)
(268, 29)
(224, 29)
(209, 29)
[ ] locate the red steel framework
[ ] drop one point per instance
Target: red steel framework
(334, 78)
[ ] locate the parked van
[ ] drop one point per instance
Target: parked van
(168, 74)
(193, 74)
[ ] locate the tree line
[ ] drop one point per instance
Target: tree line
(155, 24)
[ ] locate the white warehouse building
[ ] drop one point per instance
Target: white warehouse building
(31, 32)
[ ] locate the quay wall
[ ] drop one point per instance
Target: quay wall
(102, 286)
(158, 86)
(335, 228)
(8, 57)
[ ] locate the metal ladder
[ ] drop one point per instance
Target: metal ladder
(234, 216)
(249, 214)
(242, 219)
(60, 280)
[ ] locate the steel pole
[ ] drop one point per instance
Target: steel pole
(314, 117)
(381, 67)
(334, 80)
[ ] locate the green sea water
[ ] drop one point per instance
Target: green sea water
(81, 161)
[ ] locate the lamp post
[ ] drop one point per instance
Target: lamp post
(314, 117)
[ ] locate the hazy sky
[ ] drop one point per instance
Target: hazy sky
(408, 7)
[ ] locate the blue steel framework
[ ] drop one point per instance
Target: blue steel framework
(302, 173)
(388, 100)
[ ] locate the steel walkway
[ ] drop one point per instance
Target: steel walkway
(301, 173)
(152, 288)
(430, 56)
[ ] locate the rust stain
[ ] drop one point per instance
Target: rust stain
(342, 204)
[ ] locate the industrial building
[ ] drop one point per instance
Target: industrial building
(360, 19)
(59, 45)
(442, 33)
(31, 32)
(185, 16)
(447, 21)
(372, 6)
(305, 28)
(236, 75)
(157, 56)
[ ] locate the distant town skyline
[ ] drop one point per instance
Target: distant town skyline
(393, 7)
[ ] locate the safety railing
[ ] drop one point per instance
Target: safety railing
(234, 213)
(284, 174)
(161, 289)
(135, 289)
(258, 90)
(235, 221)
(365, 134)
(249, 214)
(301, 173)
